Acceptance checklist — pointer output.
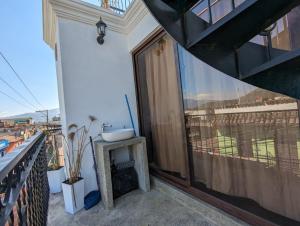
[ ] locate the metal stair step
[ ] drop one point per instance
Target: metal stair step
(243, 23)
(282, 74)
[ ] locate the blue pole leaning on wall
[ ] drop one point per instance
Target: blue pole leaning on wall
(130, 114)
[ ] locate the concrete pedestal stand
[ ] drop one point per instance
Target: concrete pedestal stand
(137, 147)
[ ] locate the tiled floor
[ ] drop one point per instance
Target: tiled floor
(136, 208)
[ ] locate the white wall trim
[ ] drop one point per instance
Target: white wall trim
(134, 15)
(82, 12)
(49, 24)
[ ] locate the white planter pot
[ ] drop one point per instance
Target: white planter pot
(55, 178)
(73, 196)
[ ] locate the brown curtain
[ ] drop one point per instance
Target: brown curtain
(245, 140)
(272, 188)
(165, 107)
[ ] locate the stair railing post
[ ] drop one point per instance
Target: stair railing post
(233, 4)
(209, 12)
(269, 45)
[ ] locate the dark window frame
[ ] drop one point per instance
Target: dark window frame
(186, 186)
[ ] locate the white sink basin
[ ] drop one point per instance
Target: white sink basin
(117, 134)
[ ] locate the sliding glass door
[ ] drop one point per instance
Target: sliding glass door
(162, 111)
(244, 141)
(218, 135)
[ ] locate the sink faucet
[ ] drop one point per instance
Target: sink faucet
(105, 125)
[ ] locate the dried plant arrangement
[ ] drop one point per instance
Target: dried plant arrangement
(76, 143)
(53, 152)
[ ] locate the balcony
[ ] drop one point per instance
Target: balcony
(204, 130)
(164, 205)
(25, 198)
(209, 137)
(24, 184)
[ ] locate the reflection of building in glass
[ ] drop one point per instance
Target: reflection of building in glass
(243, 141)
(269, 137)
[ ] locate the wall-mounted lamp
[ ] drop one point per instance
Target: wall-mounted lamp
(101, 27)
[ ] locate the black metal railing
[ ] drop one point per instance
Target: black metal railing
(213, 10)
(117, 6)
(271, 138)
(24, 189)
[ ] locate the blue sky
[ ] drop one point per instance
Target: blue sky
(21, 41)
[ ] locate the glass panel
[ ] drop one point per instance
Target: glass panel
(284, 35)
(283, 38)
(162, 107)
(293, 22)
(280, 36)
(201, 10)
(219, 8)
(238, 2)
(244, 141)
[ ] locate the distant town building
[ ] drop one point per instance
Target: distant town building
(11, 122)
(56, 119)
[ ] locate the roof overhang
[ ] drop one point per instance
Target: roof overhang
(80, 11)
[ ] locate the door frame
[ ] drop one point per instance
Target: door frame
(148, 43)
(187, 186)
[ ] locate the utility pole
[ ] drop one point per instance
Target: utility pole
(46, 115)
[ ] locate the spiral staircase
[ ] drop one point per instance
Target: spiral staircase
(226, 44)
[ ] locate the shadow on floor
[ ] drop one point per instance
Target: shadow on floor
(134, 209)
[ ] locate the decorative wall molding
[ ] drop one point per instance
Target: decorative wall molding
(134, 15)
(49, 24)
(76, 10)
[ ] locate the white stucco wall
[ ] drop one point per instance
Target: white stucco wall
(93, 81)
(61, 96)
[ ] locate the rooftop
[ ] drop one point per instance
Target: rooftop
(117, 19)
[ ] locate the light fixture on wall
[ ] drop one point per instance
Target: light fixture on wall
(101, 27)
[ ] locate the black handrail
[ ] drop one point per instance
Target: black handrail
(10, 160)
(117, 6)
(24, 189)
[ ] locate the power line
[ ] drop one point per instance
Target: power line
(17, 92)
(21, 80)
(3, 93)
